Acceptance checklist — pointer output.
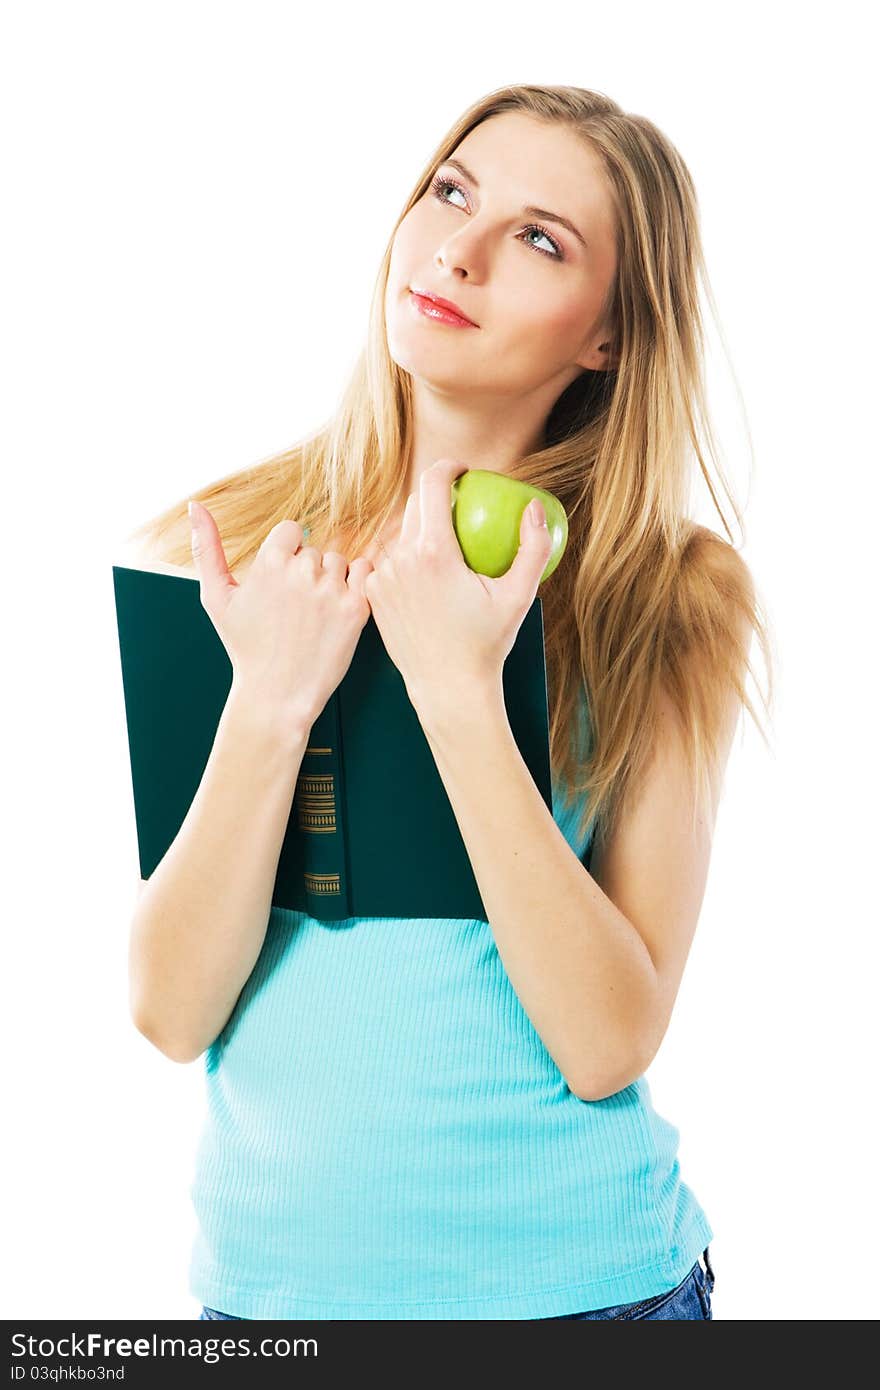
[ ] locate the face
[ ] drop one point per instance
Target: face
(532, 288)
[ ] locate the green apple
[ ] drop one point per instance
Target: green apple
(487, 510)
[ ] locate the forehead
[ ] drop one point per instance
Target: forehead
(543, 163)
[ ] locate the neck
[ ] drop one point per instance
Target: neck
(483, 432)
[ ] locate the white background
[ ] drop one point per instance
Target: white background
(197, 198)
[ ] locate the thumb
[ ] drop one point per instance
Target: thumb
(210, 560)
(531, 559)
(523, 576)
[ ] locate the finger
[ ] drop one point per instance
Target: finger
(287, 536)
(215, 579)
(357, 573)
(435, 506)
(334, 563)
(520, 582)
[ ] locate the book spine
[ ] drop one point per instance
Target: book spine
(319, 813)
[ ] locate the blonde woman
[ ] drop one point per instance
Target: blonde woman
(429, 1118)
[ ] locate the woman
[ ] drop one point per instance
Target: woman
(445, 1118)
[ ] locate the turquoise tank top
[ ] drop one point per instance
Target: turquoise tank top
(388, 1137)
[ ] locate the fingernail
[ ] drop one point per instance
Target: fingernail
(192, 512)
(537, 515)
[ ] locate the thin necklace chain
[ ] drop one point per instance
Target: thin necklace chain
(378, 538)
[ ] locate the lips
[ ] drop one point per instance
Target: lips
(445, 309)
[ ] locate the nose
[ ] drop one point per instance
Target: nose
(451, 265)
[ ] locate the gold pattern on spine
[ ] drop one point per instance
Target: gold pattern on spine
(325, 885)
(316, 804)
(316, 798)
(316, 814)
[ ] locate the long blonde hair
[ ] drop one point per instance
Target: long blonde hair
(643, 597)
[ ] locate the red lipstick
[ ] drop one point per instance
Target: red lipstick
(439, 309)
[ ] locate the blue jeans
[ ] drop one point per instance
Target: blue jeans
(691, 1299)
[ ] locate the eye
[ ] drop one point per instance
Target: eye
(439, 184)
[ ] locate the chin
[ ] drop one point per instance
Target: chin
(409, 354)
(443, 376)
(425, 353)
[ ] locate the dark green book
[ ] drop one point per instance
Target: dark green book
(371, 831)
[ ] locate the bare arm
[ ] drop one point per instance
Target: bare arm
(201, 918)
(595, 957)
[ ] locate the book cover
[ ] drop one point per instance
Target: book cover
(371, 831)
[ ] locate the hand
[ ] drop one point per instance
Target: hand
(447, 629)
(291, 626)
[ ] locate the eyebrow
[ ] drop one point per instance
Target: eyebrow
(532, 211)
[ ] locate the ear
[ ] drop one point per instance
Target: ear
(600, 359)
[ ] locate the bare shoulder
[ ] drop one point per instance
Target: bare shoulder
(717, 558)
(718, 591)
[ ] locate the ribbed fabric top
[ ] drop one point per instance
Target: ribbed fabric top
(388, 1137)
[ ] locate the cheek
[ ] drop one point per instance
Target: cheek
(405, 249)
(557, 322)
(537, 333)
(397, 272)
(401, 271)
